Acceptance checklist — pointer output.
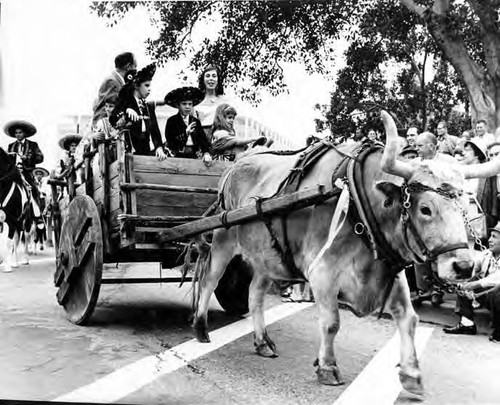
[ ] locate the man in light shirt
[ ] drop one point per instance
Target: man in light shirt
(483, 288)
(446, 143)
(482, 132)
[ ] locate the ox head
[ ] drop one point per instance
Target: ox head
(432, 207)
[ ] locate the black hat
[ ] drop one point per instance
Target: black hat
(188, 93)
(145, 74)
(66, 141)
(130, 75)
(10, 127)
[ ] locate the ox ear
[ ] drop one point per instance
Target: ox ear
(391, 191)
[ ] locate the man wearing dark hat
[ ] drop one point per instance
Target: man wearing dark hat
(28, 151)
(112, 84)
(184, 133)
(483, 289)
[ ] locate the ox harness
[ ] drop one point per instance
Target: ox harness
(350, 169)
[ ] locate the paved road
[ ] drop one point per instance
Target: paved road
(44, 357)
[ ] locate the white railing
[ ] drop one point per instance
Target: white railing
(245, 126)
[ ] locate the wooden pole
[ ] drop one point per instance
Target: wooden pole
(161, 187)
(274, 206)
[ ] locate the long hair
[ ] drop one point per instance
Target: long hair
(220, 120)
(219, 89)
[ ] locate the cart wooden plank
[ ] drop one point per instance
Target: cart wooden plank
(297, 200)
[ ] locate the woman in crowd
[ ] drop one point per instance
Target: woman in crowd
(210, 83)
(482, 192)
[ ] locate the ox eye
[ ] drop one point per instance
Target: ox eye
(425, 211)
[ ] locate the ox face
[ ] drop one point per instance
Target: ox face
(436, 219)
(439, 221)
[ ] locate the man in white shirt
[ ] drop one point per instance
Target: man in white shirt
(481, 132)
(483, 288)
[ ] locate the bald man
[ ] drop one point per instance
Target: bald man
(427, 148)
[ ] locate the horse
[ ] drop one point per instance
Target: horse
(14, 197)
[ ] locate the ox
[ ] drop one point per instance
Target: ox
(347, 271)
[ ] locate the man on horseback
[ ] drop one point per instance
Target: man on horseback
(27, 151)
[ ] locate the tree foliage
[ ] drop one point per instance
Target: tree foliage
(255, 39)
(387, 63)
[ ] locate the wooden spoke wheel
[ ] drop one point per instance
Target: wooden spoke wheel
(79, 260)
(233, 288)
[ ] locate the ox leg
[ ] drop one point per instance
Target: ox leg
(326, 293)
(406, 320)
(221, 255)
(264, 346)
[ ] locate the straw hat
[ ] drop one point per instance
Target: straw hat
(41, 170)
(66, 141)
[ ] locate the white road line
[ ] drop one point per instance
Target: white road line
(135, 376)
(378, 383)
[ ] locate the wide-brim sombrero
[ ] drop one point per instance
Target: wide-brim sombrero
(67, 140)
(28, 127)
(186, 93)
(44, 172)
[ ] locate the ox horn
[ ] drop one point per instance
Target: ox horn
(389, 162)
(487, 169)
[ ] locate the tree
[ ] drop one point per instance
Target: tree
(253, 41)
(387, 61)
(467, 33)
(255, 38)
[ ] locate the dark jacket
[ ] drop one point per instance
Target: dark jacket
(175, 134)
(487, 198)
(31, 153)
(134, 136)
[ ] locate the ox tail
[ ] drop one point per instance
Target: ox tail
(201, 268)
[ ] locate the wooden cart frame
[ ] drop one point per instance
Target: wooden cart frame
(116, 215)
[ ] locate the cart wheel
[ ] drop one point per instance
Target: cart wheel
(232, 290)
(79, 260)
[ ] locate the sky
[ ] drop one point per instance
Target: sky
(55, 53)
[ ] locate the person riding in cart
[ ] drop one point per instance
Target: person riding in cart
(136, 117)
(184, 134)
(69, 144)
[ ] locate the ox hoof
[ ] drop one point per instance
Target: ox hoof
(265, 350)
(411, 384)
(7, 269)
(328, 376)
(201, 332)
(25, 262)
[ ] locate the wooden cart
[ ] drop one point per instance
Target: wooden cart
(115, 216)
